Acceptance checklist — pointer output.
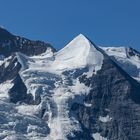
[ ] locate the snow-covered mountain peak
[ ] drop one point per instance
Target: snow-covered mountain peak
(80, 37)
(80, 52)
(119, 51)
(79, 41)
(124, 52)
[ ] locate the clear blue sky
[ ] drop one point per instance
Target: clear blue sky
(105, 22)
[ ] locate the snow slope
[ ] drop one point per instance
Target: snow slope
(78, 53)
(127, 58)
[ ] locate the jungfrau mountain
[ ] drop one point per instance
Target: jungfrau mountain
(81, 92)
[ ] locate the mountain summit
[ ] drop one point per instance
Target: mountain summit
(79, 53)
(82, 92)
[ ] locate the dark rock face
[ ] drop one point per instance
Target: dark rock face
(132, 52)
(115, 94)
(5, 35)
(10, 44)
(9, 69)
(18, 93)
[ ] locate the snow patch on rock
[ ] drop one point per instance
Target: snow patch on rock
(4, 89)
(105, 119)
(25, 109)
(97, 136)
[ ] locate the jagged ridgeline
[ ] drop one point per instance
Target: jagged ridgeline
(82, 92)
(10, 43)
